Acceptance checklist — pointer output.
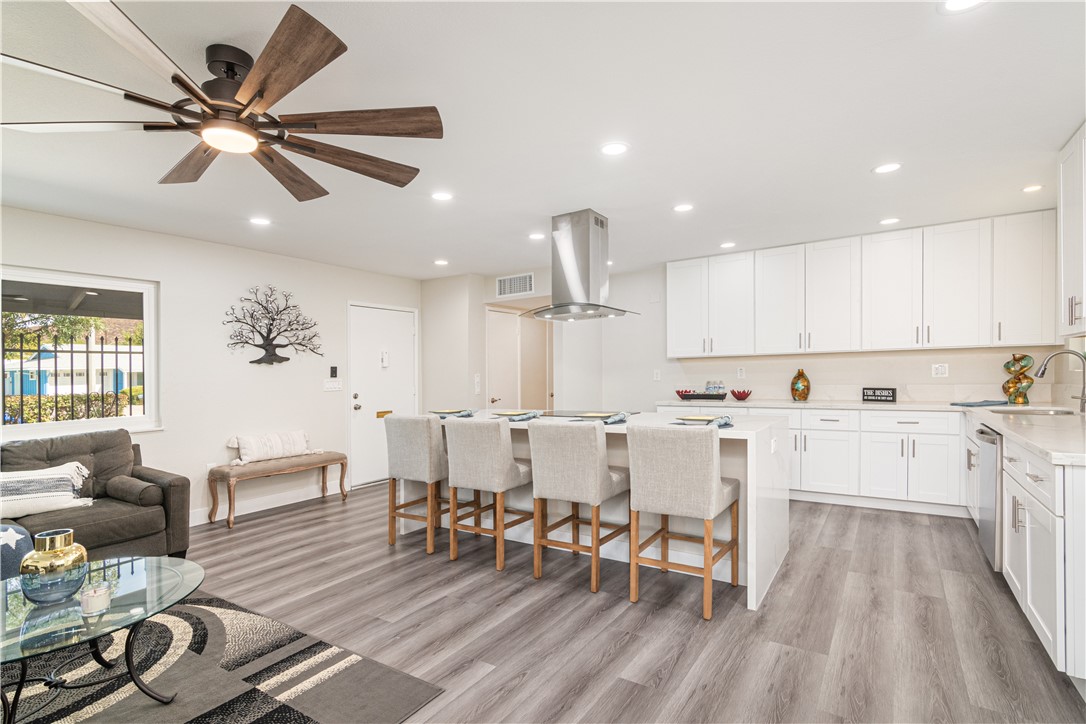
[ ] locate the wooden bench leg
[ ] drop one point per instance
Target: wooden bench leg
(214, 488)
(634, 544)
(230, 492)
(343, 479)
(392, 511)
(324, 481)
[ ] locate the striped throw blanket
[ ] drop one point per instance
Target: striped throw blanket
(26, 492)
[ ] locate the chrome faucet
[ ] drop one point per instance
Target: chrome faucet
(1081, 397)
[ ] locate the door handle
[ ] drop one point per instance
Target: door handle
(358, 407)
(495, 399)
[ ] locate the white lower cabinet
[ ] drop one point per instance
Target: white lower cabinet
(1033, 564)
(923, 468)
(884, 465)
(831, 461)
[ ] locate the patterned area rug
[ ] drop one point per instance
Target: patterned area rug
(227, 664)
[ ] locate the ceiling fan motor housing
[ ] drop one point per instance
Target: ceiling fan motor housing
(230, 65)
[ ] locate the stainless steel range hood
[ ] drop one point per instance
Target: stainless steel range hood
(579, 278)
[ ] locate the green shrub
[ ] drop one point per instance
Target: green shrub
(116, 403)
(136, 393)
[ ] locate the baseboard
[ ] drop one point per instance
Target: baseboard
(858, 501)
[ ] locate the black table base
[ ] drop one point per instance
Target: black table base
(56, 682)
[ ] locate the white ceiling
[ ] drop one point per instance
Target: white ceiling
(766, 116)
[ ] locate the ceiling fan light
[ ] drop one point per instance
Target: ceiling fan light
(229, 136)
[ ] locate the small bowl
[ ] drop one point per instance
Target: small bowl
(740, 394)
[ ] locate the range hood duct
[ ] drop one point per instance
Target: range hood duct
(579, 277)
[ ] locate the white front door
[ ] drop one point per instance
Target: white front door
(502, 360)
(382, 379)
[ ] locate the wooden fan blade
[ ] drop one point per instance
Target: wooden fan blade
(390, 172)
(296, 181)
(419, 122)
(192, 166)
(90, 126)
(298, 48)
(111, 20)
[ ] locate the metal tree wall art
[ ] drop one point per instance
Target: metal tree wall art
(268, 320)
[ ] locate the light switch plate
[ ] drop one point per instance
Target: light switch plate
(656, 375)
(333, 384)
(741, 373)
(940, 370)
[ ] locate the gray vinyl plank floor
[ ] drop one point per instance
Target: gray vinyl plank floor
(875, 616)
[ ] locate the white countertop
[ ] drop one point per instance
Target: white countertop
(817, 405)
(743, 426)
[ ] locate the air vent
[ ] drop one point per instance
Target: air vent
(516, 285)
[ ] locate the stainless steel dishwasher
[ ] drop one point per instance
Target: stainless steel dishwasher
(989, 505)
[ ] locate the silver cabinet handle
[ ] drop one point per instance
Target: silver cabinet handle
(703, 345)
(1075, 304)
(999, 331)
(908, 422)
(914, 448)
(808, 340)
(801, 340)
(1009, 459)
(795, 443)
(968, 459)
(710, 344)
(1014, 514)
(902, 447)
(829, 419)
(1070, 310)
(804, 442)
(1018, 507)
(1034, 477)
(929, 334)
(918, 335)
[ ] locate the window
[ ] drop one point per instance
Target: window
(78, 351)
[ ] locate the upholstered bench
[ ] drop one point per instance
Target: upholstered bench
(231, 474)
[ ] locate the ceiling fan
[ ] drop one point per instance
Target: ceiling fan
(230, 112)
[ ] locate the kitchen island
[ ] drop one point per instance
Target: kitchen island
(752, 451)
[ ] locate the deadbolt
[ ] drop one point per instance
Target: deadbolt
(354, 396)
(358, 407)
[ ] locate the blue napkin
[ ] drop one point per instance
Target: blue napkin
(464, 413)
(982, 403)
(526, 416)
(617, 418)
(722, 421)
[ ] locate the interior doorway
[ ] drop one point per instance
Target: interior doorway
(518, 361)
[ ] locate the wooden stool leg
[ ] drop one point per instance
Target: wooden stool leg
(431, 515)
(453, 550)
(537, 536)
(214, 488)
(392, 511)
(343, 479)
(595, 580)
(324, 481)
(735, 539)
(665, 522)
(230, 492)
(478, 520)
(576, 535)
(499, 528)
(634, 542)
(707, 581)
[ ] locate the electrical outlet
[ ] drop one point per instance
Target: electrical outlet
(741, 373)
(656, 375)
(940, 370)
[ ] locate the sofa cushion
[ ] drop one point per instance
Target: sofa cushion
(106, 522)
(106, 454)
(134, 491)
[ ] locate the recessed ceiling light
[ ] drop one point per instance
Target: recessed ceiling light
(571, 320)
(441, 196)
(537, 236)
(727, 245)
(614, 148)
(259, 221)
(887, 167)
(441, 262)
(20, 299)
(590, 311)
(610, 316)
(887, 222)
(610, 263)
(957, 6)
(684, 207)
(1031, 189)
(546, 316)
(89, 293)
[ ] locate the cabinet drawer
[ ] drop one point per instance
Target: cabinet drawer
(941, 423)
(1039, 477)
(792, 415)
(830, 419)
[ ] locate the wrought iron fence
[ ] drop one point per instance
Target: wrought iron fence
(39, 379)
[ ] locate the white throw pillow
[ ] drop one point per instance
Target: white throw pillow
(252, 448)
(27, 492)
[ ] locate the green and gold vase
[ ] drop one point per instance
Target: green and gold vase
(55, 569)
(801, 386)
(1018, 385)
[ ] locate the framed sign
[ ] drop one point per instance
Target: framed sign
(880, 394)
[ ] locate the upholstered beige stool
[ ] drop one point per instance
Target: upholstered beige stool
(481, 459)
(569, 462)
(676, 471)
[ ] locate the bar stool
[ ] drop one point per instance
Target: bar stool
(481, 458)
(569, 462)
(676, 471)
(416, 452)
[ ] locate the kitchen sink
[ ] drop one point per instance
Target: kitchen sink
(1011, 411)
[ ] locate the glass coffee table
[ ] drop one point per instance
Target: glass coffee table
(140, 587)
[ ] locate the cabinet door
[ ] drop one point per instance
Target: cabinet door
(688, 308)
(831, 461)
(972, 479)
(1072, 237)
(1043, 600)
(933, 469)
(797, 461)
(778, 290)
(731, 304)
(893, 289)
(958, 284)
(1024, 278)
(884, 465)
(832, 282)
(1014, 539)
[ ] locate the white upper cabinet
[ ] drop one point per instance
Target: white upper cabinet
(688, 308)
(958, 284)
(731, 304)
(1071, 305)
(779, 300)
(893, 288)
(833, 295)
(1024, 278)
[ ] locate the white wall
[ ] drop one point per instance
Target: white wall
(634, 346)
(453, 342)
(209, 392)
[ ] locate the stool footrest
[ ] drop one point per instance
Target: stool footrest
(558, 524)
(664, 565)
(412, 516)
(650, 540)
(615, 533)
(564, 545)
(409, 503)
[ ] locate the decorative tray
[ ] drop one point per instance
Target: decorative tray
(701, 396)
